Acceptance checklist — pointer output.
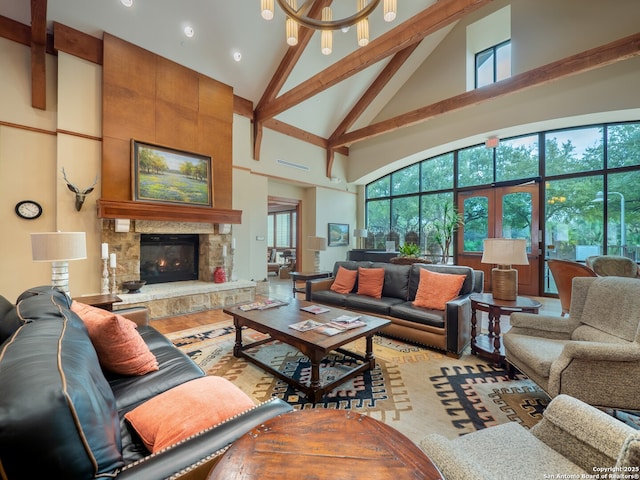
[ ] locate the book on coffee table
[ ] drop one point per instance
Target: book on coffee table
(263, 305)
(315, 309)
(305, 325)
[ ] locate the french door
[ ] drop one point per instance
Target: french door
(501, 212)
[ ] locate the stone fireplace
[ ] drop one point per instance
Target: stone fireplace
(169, 257)
(183, 295)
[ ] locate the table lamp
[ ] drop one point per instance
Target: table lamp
(361, 233)
(317, 244)
(505, 252)
(58, 248)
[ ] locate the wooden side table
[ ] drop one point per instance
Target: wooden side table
(304, 276)
(104, 301)
(324, 444)
(490, 345)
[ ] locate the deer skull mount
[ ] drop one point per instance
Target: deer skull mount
(81, 195)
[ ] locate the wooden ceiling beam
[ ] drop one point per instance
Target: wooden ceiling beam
(591, 59)
(363, 103)
(430, 20)
(38, 54)
(283, 71)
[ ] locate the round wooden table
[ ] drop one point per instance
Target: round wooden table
(324, 444)
(490, 344)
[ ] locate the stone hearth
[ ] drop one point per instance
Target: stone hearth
(175, 298)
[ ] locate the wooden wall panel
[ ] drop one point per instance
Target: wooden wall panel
(216, 137)
(176, 84)
(155, 100)
(116, 169)
(127, 114)
(216, 99)
(176, 127)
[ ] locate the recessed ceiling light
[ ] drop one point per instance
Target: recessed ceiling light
(126, 3)
(188, 31)
(237, 56)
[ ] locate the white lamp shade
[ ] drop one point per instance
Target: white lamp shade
(360, 233)
(58, 246)
(316, 243)
(505, 251)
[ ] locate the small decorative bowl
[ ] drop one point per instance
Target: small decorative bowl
(133, 286)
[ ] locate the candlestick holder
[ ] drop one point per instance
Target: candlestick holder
(105, 276)
(113, 281)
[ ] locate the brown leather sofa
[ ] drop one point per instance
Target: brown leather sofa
(62, 416)
(448, 329)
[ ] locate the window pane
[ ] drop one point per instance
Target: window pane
(437, 173)
(476, 223)
(475, 166)
(283, 229)
(271, 237)
(574, 222)
(623, 220)
(431, 208)
(623, 145)
(517, 158)
(503, 61)
(405, 220)
(484, 68)
(294, 229)
(572, 151)
(379, 188)
(517, 212)
(406, 180)
(378, 218)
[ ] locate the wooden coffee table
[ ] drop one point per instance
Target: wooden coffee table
(324, 444)
(315, 345)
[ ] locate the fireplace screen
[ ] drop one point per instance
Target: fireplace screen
(168, 258)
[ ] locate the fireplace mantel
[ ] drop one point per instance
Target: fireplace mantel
(166, 212)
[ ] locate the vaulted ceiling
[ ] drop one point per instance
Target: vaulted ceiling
(330, 101)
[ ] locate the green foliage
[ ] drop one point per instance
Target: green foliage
(409, 250)
(443, 228)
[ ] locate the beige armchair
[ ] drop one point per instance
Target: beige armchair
(593, 354)
(572, 438)
(613, 265)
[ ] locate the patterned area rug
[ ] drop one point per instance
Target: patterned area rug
(415, 390)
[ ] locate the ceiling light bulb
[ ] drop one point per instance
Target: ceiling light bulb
(291, 28)
(266, 7)
(188, 31)
(126, 3)
(326, 39)
(237, 56)
(390, 8)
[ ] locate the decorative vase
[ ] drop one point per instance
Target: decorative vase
(219, 275)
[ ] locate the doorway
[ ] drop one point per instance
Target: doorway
(284, 230)
(501, 212)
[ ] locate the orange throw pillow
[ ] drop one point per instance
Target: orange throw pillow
(370, 281)
(185, 410)
(345, 280)
(119, 346)
(436, 289)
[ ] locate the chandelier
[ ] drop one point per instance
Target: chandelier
(326, 24)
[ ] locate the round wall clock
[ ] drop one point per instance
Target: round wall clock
(28, 209)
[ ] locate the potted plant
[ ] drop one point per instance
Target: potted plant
(442, 229)
(409, 250)
(409, 253)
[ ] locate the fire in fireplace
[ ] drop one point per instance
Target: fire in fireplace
(168, 258)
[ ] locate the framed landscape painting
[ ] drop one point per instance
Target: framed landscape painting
(165, 175)
(338, 234)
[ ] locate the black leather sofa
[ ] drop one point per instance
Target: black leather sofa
(448, 330)
(61, 416)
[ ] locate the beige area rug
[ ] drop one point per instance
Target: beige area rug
(416, 390)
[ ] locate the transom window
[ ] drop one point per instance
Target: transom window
(493, 64)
